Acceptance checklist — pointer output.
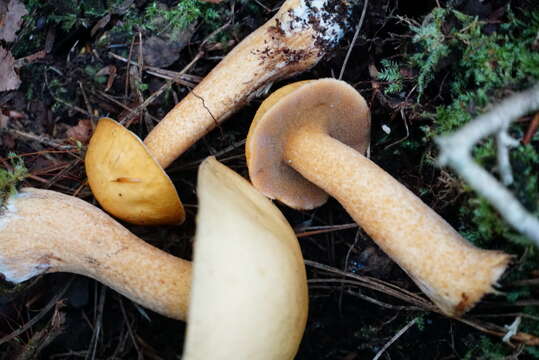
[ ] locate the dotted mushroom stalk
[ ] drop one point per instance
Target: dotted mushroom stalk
(246, 288)
(42, 231)
(127, 176)
(292, 41)
(319, 130)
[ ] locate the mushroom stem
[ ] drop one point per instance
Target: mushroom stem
(292, 41)
(43, 231)
(451, 271)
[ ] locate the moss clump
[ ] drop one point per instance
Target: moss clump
(157, 18)
(468, 64)
(9, 179)
(459, 65)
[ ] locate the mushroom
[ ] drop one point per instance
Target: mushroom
(126, 179)
(307, 140)
(248, 298)
(292, 41)
(43, 231)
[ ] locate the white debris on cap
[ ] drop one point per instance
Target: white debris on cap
(327, 17)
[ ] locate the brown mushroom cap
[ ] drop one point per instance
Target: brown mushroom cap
(330, 104)
(130, 185)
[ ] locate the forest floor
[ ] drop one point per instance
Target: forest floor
(425, 68)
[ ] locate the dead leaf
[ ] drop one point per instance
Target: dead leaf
(100, 24)
(4, 120)
(161, 52)
(109, 70)
(11, 20)
(27, 60)
(9, 80)
(163, 49)
(81, 132)
(532, 129)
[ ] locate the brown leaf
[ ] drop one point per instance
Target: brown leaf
(109, 70)
(100, 24)
(164, 49)
(9, 80)
(11, 18)
(4, 120)
(81, 131)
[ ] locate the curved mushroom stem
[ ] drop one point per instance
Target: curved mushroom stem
(44, 231)
(294, 40)
(451, 271)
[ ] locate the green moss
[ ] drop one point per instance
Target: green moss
(391, 74)
(487, 349)
(462, 68)
(483, 66)
(10, 178)
(157, 18)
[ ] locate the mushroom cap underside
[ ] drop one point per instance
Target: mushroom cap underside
(249, 294)
(327, 104)
(127, 181)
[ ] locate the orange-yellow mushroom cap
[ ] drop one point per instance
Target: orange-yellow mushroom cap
(129, 183)
(328, 103)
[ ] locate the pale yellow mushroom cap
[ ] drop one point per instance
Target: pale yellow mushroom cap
(127, 181)
(249, 295)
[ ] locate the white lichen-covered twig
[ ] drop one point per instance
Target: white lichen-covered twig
(455, 151)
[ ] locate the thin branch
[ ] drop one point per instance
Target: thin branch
(503, 143)
(354, 39)
(455, 152)
(52, 303)
(411, 298)
(394, 338)
(40, 139)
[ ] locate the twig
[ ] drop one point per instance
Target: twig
(378, 285)
(455, 151)
(492, 329)
(98, 325)
(39, 316)
(40, 139)
(418, 301)
(60, 100)
(88, 106)
(512, 329)
(503, 143)
(168, 84)
(125, 121)
(394, 338)
(44, 337)
(130, 330)
(123, 106)
(194, 164)
(354, 39)
(316, 230)
(532, 129)
(349, 283)
(183, 79)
